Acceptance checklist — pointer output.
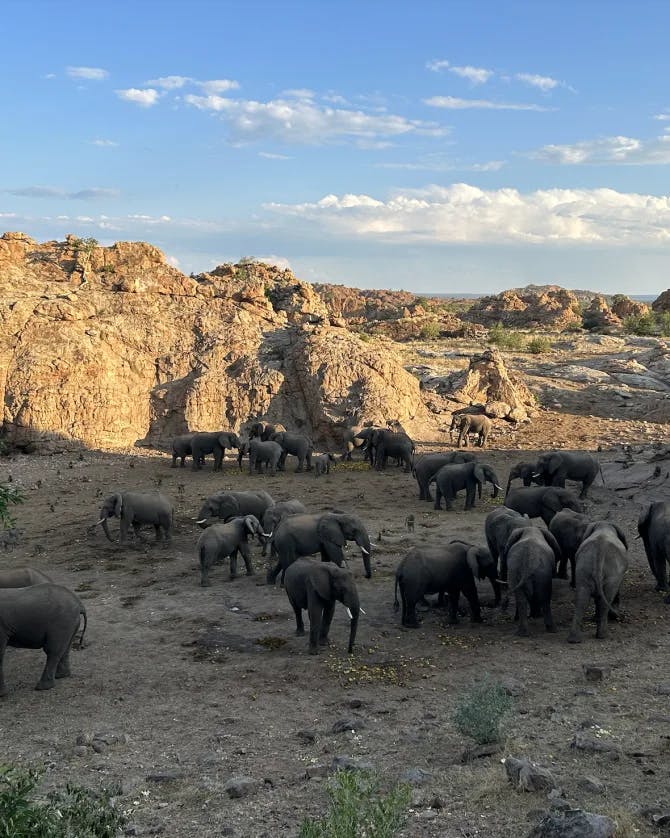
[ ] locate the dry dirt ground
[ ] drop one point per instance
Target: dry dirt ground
(180, 688)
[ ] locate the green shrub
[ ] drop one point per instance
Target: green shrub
(640, 324)
(430, 330)
(86, 245)
(538, 345)
(481, 711)
(663, 323)
(506, 339)
(358, 807)
(74, 813)
(8, 495)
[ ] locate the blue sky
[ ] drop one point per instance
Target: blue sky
(433, 146)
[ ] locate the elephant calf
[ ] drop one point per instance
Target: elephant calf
(22, 577)
(226, 505)
(427, 466)
(568, 529)
(222, 540)
(266, 453)
(276, 513)
(526, 472)
(316, 586)
(498, 527)
(135, 509)
(530, 555)
(451, 479)
(453, 568)
(542, 501)
(45, 617)
(321, 464)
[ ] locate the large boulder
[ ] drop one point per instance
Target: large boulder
(556, 309)
(487, 381)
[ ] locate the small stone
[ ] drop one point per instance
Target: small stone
(595, 672)
(576, 824)
(99, 747)
(342, 763)
(527, 776)
(307, 736)
(480, 751)
(416, 776)
(591, 784)
(84, 739)
(436, 802)
(584, 742)
(663, 689)
(227, 830)
(344, 725)
(321, 770)
(355, 703)
(427, 815)
(513, 686)
(80, 750)
(661, 819)
(167, 776)
(240, 786)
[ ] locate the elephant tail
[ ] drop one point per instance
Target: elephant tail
(82, 613)
(602, 476)
(396, 602)
(599, 571)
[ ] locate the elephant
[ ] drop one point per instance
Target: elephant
(221, 540)
(22, 577)
(298, 445)
(317, 586)
(568, 529)
(450, 479)
(181, 448)
(265, 430)
(212, 442)
(351, 441)
(43, 616)
(530, 555)
(470, 410)
(367, 443)
(388, 443)
(429, 464)
(555, 467)
(267, 452)
(542, 501)
(138, 508)
(454, 568)
(228, 505)
(273, 515)
(323, 532)
(602, 561)
(322, 463)
(477, 424)
(498, 527)
(527, 472)
(653, 528)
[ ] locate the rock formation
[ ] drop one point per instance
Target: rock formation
(598, 317)
(557, 309)
(488, 382)
(662, 302)
(623, 306)
(112, 347)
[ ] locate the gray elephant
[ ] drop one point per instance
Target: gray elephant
(602, 561)
(352, 442)
(428, 465)
(456, 416)
(22, 577)
(396, 444)
(226, 505)
(325, 533)
(568, 529)
(531, 556)
(214, 442)
(273, 515)
(498, 527)
(265, 430)
(181, 449)
(44, 617)
(136, 509)
(321, 464)
(264, 452)
(298, 445)
(451, 479)
(453, 568)
(479, 425)
(653, 528)
(317, 586)
(526, 472)
(555, 467)
(542, 501)
(365, 435)
(222, 540)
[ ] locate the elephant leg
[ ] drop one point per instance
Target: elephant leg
(196, 465)
(470, 494)
(662, 574)
(233, 563)
(409, 618)
(159, 534)
(123, 531)
(205, 563)
(63, 668)
(470, 593)
(573, 565)
(326, 620)
(562, 568)
(137, 529)
(332, 553)
(299, 625)
(438, 497)
(522, 607)
(454, 595)
(449, 499)
(48, 679)
(246, 555)
(315, 611)
(581, 604)
(218, 459)
(273, 573)
(174, 461)
(3, 646)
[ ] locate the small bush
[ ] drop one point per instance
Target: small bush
(358, 807)
(481, 711)
(642, 324)
(506, 339)
(86, 245)
(538, 345)
(430, 330)
(8, 495)
(663, 323)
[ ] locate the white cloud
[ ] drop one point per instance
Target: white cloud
(91, 194)
(475, 75)
(662, 117)
(169, 82)
(270, 155)
(104, 143)
(280, 262)
(88, 73)
(298, 93)
(305, 122)
(454, 103)
(461, 213)
(437, 65)
(622, 150)
(146, 98)
(440, 162)
(543, 83)
(488, 166)
(214, 86)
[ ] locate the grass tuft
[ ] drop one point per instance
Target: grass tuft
(480, 712)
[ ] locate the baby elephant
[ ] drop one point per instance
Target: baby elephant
(45, 617)
(22, 577)
(317, 586)
(137, 508)
(322, 463)
(221, 540)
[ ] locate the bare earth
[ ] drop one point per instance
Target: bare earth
(187, 687)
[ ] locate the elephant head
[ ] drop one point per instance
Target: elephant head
(548, 465)
(253, 526)
(256, 430)
(596, 525)
(528, 472)
(111, 508)
(229, 440)
(224, 505)
(337, 529)
(339, 585)
(483, 473)
(278, 436)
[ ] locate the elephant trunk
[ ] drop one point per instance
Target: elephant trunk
(353, 608)
(495, 584)
(363, 541)
(105, 527)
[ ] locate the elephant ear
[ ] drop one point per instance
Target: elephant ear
(514, 536)
(329, 529)
(644, 520)
(479, 474)
(473, 563)
(251, 524)
(554, 462)
(321, 580)
(620, 534)
(590, 530)
(118, 504)
(551, 541)
(552, 501)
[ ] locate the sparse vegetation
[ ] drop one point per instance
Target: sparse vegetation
(430, 330)
(641, 324)
(538, 345)
(481, 711)
(506, 338)
(359, 807)
(86, 245)
(9, 495)
(62, 814)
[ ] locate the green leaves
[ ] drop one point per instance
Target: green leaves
(481, 711)
(8, 495)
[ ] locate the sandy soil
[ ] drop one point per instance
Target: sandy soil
(180, 688)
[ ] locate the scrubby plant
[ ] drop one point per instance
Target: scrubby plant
(506, 338)
(538, 345)
(9, 495)
(359, 807)
(480, 712)
(640, 324)
(86, 245)
(430, 330)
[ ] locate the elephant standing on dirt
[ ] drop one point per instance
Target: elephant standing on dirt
(265, 430)
(531, 555)
(451, 479)
(222, 540)
(212, 443)
(453, 568)
(568, 529)
(428, 465)
(322, 463)
(498, 527)
(392, 444)
(653, 528)
(602, 561)
(273, 515)
(365, 438)
(182, 448)
(226, 505)
(317, 586)
(555, 467)
(542, 501)
(456, 416)
(138, 508)
(325, 533)
(264, 452)
(44, 617)
(298, 445)
(22, 577)
(478, 425)
(527, 472)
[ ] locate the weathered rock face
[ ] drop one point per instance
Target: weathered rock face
(487, 382)
(557, 309)
(623, 306)
(662, 302)
(599, 317)
(112, 346)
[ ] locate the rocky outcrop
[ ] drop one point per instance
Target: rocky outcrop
(358, 305)
(112, 346)
(662, 302)
(557, 309)
(598, 317)
(623, 306)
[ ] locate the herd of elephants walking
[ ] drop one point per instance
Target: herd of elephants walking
(539, 531)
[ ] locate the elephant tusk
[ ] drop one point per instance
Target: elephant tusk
(266, 534)
(350, 615)
(104, 519)
(537, 474)
(637, 536)
(502, 582)
(365, 552)
(498, 487)
(202, 521)
(361, 610)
